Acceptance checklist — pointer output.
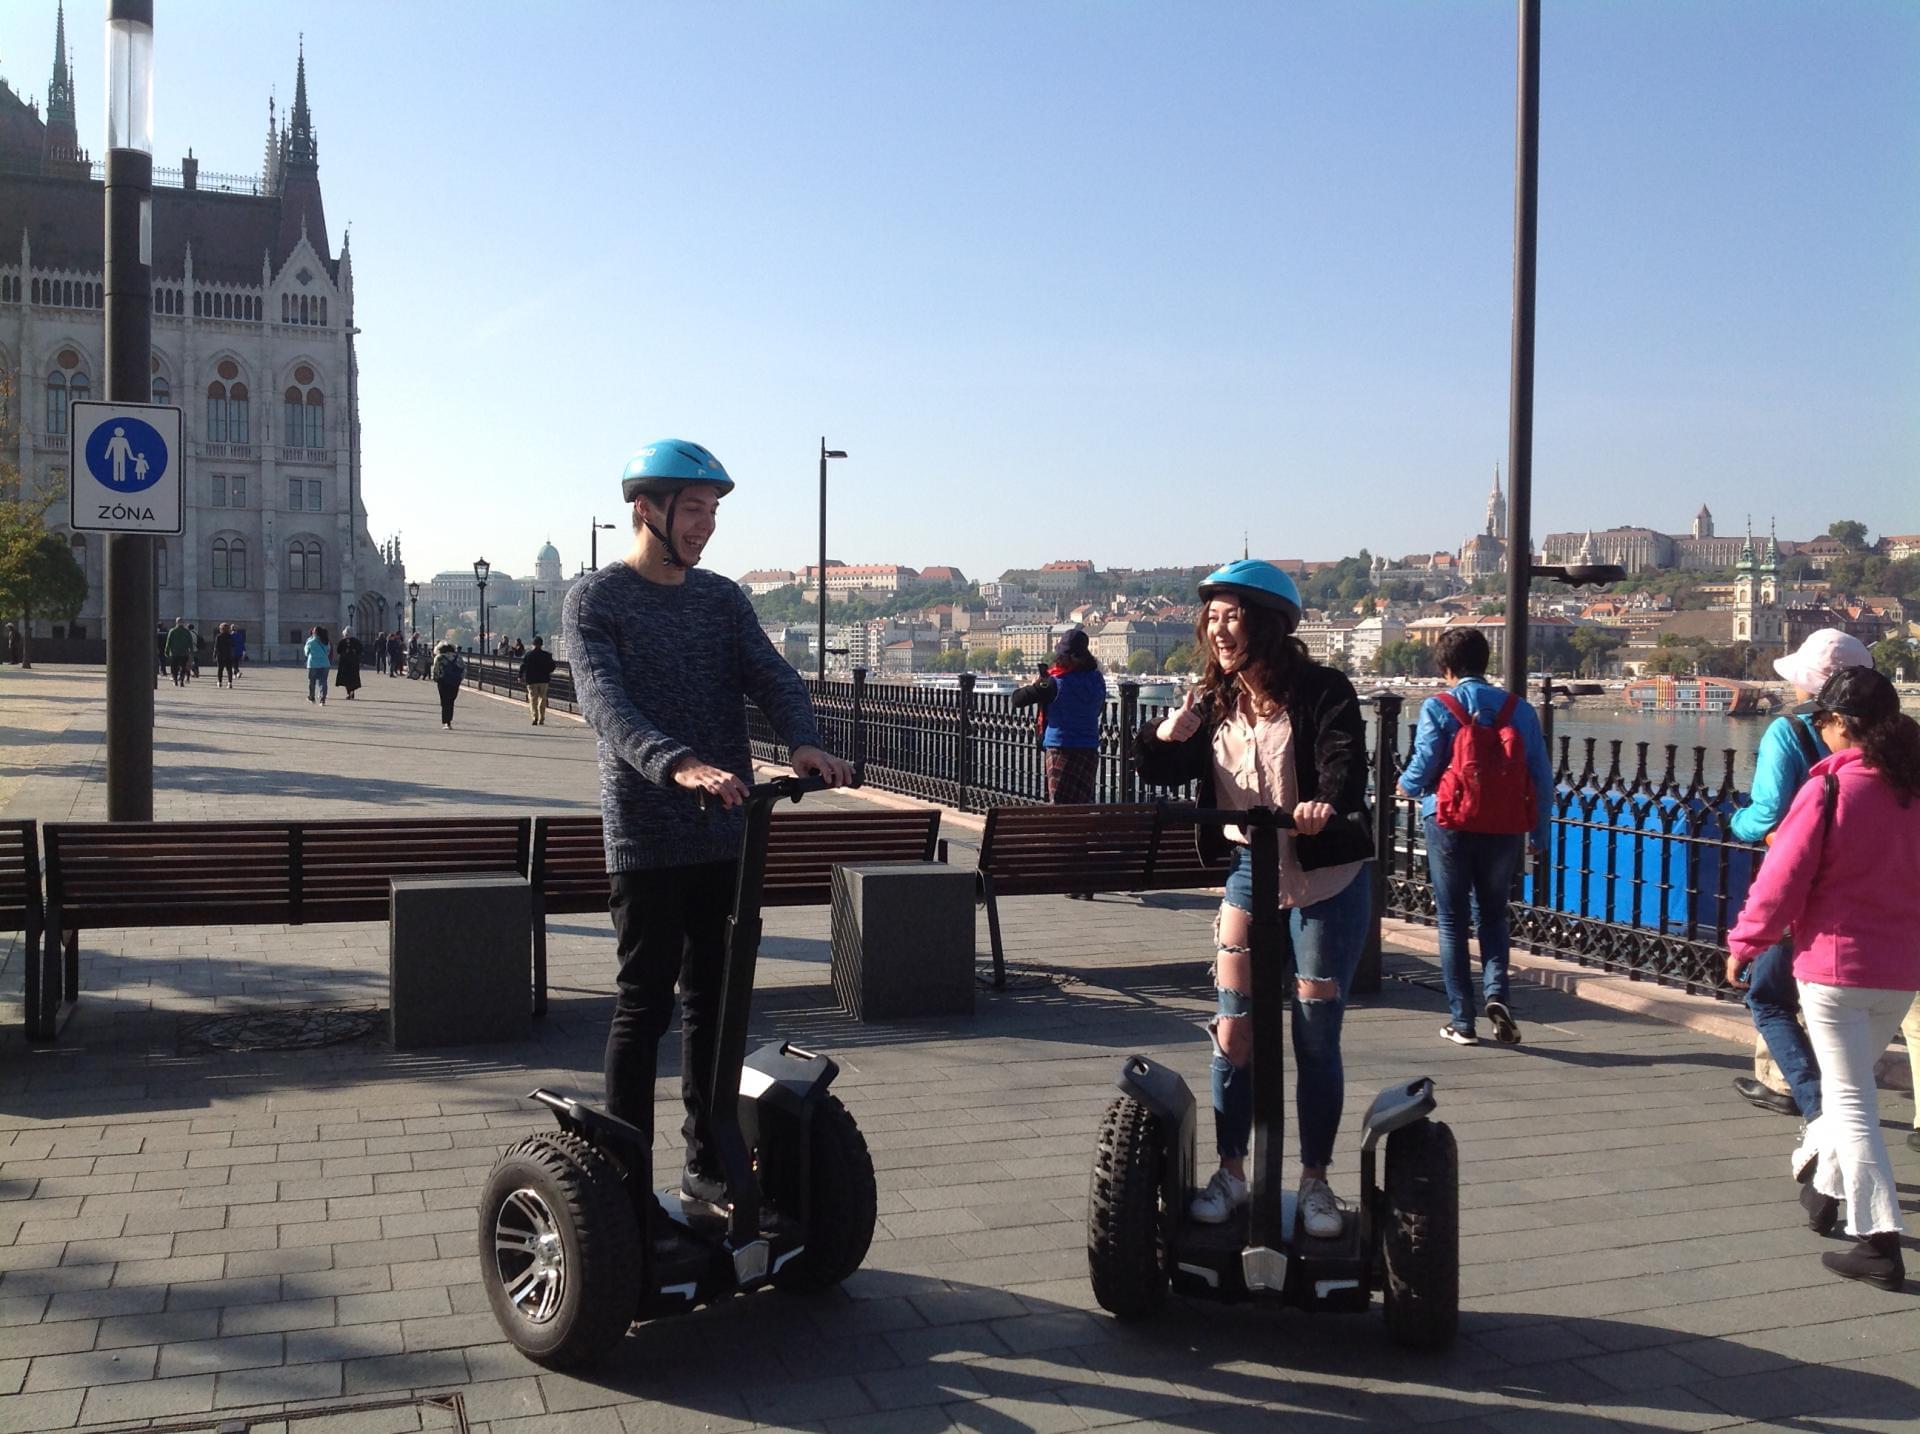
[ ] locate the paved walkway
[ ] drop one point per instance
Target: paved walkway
(186, 1231)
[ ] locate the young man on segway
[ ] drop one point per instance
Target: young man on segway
(664, 657)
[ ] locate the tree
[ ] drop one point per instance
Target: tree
(1897, 657)
(1404, 659)
(1669, 660)
(38, 574)
(1140, 661)
(1850, 532)
(982, 659)
(1593, 646)
(1859, 573)
(1339, 661)
(1008, 660)
(1183, 658)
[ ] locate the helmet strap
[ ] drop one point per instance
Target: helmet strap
(666, 541)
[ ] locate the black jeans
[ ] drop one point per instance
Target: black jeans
(667, 923)
(448, 693)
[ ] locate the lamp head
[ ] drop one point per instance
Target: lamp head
(481, 567)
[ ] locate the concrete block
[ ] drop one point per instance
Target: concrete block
(903, 940)
(457, 960)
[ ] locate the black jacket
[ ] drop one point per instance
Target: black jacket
(1329, 753)
(537, 666)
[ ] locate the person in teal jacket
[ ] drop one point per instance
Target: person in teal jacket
(1788, 749)
(319, 664)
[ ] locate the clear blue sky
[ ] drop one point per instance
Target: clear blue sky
(1112, 281)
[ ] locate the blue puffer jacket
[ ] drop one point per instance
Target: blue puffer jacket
(1779, 769)
(1074, 708)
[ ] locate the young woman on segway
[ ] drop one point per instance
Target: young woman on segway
(1268, 726)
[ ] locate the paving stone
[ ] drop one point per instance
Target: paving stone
(278, 1317)
(272, 1385)
(80, 1371)
(155, 1399)
(163, 1327)
(36, 1413)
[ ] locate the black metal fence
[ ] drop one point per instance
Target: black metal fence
(1642, 875)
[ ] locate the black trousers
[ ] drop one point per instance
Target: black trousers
(668, 923)
(179, 665)
(448, 692)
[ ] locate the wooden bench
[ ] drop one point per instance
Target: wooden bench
(1071, 850)
(21, 910)
(804, 845)
(153, 874)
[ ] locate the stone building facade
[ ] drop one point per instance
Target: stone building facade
(253, 338)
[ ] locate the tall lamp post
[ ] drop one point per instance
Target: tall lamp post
(821, 572)
(481, 567)
(129, 351)
(533, 624)
(593, 543)
(413, 609)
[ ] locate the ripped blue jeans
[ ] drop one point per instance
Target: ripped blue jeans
(1327, 940)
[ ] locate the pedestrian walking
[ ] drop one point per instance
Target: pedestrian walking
(16, 646)
(347, 657)
(319, 664)
(396, 654)
(1841, 873)
(1267, 726)
(665, 657)
(179, 651)
(448, 674)
(193, 650)
(1481, 773)
(1789, 749)
(536, 671)
(1071, 696)
(415, 656)
(223, 655)
(239, 651)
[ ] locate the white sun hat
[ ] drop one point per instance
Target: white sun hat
(1824, 653)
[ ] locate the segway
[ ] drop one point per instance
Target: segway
(576, 1245)
(1403, 1238)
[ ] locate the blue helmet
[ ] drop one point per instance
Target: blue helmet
(1259, 583)
(670, 465)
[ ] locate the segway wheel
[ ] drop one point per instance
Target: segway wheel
(1126, 1218)
(842, 1206)
(559, 1250)
(1420, 1236)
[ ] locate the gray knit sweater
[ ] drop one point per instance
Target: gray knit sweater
(661, 671)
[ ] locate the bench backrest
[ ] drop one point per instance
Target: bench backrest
(19, 876)
(1040, 851)
(803, 847)
(254, 873)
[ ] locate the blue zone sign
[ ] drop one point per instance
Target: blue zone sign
(125, 465)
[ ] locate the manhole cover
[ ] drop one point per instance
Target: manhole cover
(281, 1028)
(426, 1414)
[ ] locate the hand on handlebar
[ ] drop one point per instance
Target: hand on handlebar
(1311, 818)
(709, 782)
(812, 762)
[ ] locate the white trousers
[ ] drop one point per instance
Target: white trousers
(1910, 1028)
(1850, 1027)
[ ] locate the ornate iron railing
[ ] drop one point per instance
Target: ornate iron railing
(1642, 876)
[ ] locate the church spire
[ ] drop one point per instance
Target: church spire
(62, 146)
(301, 148)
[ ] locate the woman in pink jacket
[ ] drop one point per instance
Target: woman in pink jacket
(1842, 873)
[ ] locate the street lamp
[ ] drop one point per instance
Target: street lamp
(413, 600)
(534, 622)
(825, 454)
(594, 541)
(129, 354)
(481, 567)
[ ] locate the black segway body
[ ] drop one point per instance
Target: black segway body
(576, 1244)
(1403, 1238)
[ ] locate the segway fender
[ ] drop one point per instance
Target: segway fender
(1394, 1107)
(1163, 1092)
(784, 1077)
(595, 1126)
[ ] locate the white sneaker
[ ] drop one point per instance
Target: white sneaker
(1225, 1193)
(1320, 1210)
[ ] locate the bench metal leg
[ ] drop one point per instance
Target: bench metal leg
(540, 962)
(70, 967)
(993, 931)
(39, 976)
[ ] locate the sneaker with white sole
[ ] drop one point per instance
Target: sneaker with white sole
(1506, 1030)
(1451, 1032)
(1320, 1210)
(1225, 1194)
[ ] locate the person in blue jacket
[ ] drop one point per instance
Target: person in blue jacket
(1072, 696)
(1474, 870)
(1788, 749)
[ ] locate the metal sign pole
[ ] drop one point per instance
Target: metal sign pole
(1526, 227)
(129, 352)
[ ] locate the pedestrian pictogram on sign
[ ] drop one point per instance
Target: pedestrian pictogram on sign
(126, 462)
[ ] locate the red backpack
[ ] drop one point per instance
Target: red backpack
(1486, 786)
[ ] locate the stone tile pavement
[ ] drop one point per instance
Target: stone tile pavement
(187, 1232)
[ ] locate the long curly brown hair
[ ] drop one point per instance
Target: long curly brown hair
(1274, 656)
(1890, 744)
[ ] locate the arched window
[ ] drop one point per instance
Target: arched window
(236, 562)
(78, 387)
(323, 310)
(216, 412)
(56, 402)
(296, 566)
(286, 303)
(239, 415)
(162, 391)
(80, 550)
(316, 419)
(160, 561)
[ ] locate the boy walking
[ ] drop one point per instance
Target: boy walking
(664, 655)
(1485, 783)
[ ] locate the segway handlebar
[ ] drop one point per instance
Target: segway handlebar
(1193, 814)
(792, 789)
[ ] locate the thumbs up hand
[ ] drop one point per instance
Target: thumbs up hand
(1182, 723)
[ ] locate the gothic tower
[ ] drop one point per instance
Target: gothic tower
(301, 211)
(1496, 509)
(1703, 523)
(62, 154)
